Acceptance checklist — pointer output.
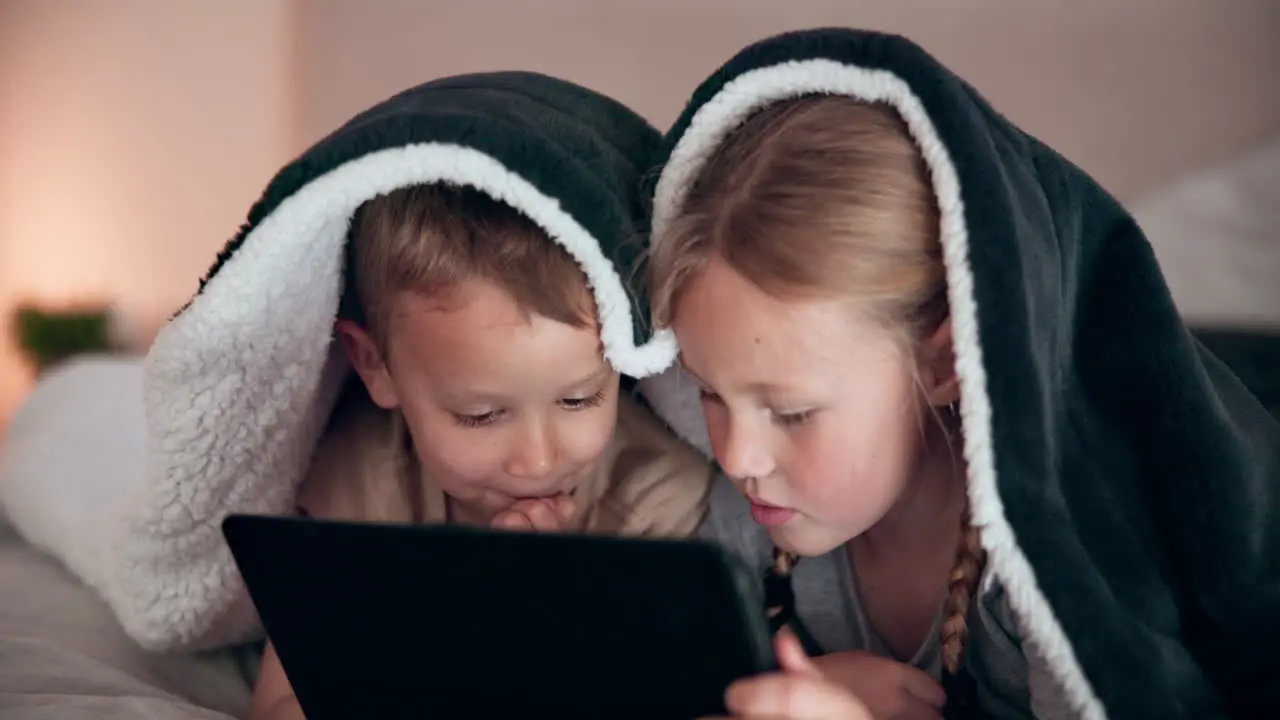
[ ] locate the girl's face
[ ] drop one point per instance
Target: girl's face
(501, 405)
(812, 413)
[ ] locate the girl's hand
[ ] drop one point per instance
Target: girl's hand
(799, 692)
(891, 690)
(552, 514)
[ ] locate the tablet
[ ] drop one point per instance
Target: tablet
(399, 621)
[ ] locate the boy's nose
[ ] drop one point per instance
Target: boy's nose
(533, 456)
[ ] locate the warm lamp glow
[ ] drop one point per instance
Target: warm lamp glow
(134, 138)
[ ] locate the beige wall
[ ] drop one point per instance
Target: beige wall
(1133, 90)
(9, 372)
(137, 133)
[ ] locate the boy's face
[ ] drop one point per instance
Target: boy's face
(502, 405)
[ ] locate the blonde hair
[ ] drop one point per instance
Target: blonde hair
(427, 239)
(821, 197)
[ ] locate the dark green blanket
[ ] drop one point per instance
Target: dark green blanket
(1253, 355)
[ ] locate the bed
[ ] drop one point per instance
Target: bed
(63, 657)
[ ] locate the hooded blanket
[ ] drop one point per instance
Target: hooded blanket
(240, 383)
(1126, 484)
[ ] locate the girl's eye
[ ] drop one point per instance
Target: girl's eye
(591, 401)
(475, 421)
(708, 396)
(793, 419)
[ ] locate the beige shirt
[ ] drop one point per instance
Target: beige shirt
(647, 482)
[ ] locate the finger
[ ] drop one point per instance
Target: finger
(541, 514)
(768, 717)
(918, 710)
(784, 717)
(565, 508)
(791, 655)
(792, 696)
(921, 685)
(512, 520)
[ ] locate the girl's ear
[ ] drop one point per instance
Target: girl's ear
(938, 367)
(367, 360)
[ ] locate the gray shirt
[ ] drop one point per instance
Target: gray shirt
(828, 607)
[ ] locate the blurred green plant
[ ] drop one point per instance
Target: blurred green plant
(47, 337)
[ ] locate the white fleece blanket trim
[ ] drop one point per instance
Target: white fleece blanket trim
(756, 89)
(236, 390)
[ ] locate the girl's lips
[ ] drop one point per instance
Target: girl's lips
(769, 515)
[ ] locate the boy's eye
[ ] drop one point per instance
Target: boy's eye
(594, 400)
(708, 396)
(478, 420)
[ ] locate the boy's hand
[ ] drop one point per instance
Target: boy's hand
(552, 514)
(799, 692)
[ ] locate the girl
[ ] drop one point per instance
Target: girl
(968, 441)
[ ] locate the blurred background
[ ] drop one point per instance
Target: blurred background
(135, 134)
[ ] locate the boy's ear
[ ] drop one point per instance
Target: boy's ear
(367, 361)
(938, 367)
